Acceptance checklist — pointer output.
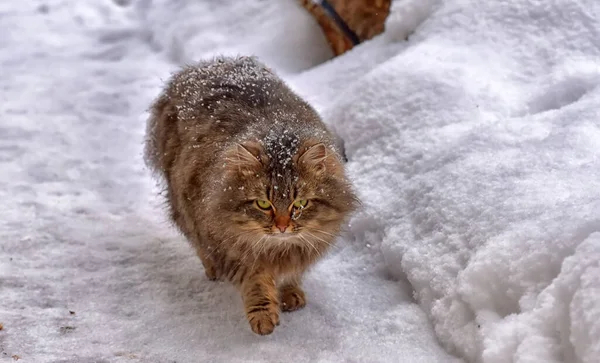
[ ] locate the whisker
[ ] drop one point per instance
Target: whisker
(322, 240)
(321, 231)
(310, 244)
(242, 233)
(243, 237)
(227, 239)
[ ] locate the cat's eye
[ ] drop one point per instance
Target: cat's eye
(300, 203)
(263, 204)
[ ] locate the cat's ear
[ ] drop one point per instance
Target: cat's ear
(318, 159)
(246, 156)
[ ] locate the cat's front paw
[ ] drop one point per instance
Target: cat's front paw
(292, 298)
(263, 322)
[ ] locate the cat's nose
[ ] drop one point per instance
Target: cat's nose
(282, 223)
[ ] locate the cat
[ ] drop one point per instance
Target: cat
(254, 179)
(364, 18)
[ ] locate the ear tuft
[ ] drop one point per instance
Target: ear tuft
(314, 155)
(244, 156)
(319, 158)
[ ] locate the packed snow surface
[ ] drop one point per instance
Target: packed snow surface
(474, 145)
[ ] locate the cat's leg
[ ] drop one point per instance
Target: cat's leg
(292, 295)
(196, 239)
(261, 302)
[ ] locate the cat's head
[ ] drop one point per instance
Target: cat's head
(279, 192)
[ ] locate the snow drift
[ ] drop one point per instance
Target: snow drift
(477, 151)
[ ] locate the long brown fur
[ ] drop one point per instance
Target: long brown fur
(226, 133)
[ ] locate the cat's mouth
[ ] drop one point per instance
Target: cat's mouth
(283, 237)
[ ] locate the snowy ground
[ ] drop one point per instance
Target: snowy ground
(475, 147)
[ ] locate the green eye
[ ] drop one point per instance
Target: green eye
(263, 204)
(300, 203)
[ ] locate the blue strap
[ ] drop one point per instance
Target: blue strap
(340, 22)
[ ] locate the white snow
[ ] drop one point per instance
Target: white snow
(486, 129)
(475, 148)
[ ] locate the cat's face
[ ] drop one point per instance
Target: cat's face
(271, 197)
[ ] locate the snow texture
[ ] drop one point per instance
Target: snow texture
(486, 129)
(474, 146)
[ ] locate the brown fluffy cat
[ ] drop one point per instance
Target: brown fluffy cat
(253, 179)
